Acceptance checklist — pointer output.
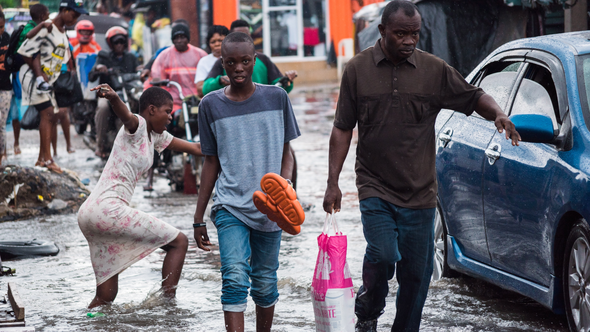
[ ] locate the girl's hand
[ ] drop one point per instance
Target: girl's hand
(105, 91)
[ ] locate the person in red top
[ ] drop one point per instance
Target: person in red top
(84, 41)
(179, 64)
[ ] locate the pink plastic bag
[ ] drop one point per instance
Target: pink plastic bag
(331, 289)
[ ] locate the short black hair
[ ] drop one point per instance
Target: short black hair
(154, 96)
(2, 16)
(239, 24)
(37, 10)
(238, 37)
(409, 8)
(220, 29)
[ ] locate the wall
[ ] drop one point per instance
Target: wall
(225, 12)
(310, 72)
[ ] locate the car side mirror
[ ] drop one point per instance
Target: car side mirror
(534, 128)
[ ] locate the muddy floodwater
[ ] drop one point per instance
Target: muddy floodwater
(56, 290)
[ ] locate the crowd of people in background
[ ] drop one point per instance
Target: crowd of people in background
(197, 71)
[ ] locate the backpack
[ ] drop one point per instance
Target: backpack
(13, 61)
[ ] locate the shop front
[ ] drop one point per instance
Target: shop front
(296, 34)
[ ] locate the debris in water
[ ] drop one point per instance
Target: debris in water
(95, 314)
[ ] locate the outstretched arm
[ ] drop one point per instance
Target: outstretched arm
(181, 145)
(35, 30)
(129, 120)
(211, 169)
(490, 110)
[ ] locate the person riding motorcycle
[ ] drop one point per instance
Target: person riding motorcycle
(118, 59)
(84, 41)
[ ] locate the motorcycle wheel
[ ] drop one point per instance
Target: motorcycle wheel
(81, 128)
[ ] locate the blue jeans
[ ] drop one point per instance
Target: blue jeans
(395, 236)
(246, 254)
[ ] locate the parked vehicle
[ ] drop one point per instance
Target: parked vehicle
(518, 216)
(172, 162)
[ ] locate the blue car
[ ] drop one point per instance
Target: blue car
(518, 216)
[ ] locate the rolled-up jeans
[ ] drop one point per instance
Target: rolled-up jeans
(401, 237)
(246, 254)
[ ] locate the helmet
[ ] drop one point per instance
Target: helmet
(87, 26)
(115, 31)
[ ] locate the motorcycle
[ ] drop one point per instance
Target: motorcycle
(186, 126)
(129, 88)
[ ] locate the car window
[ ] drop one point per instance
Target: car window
(584, 86)
(499, 85)
(536, 95)
(497, 80)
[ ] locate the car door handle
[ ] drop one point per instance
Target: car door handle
(445, 136)
(493, 153)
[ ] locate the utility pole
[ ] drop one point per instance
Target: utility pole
(576, 17)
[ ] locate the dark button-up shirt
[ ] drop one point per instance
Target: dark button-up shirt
(395, 107)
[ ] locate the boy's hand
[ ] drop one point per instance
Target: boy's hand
(291, 74)
(202, 238)
(105, 91)
(48, 26)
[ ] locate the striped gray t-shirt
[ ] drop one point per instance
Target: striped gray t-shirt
(248, 138)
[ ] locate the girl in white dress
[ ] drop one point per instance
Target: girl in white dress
(117, 234)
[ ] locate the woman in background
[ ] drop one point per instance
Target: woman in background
(215, 37)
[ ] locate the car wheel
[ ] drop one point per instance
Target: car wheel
(576, 277)
(441, 268)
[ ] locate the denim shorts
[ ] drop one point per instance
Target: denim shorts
(249, 260)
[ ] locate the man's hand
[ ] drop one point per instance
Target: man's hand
(291, 74)
(224, 80)
(332, 199)
(145, 74)
(102, 69)
(504, 123)
(202, 239)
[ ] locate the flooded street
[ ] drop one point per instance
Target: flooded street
(56, 290)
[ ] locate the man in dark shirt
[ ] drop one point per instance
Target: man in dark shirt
(394, 93)
(118, 58)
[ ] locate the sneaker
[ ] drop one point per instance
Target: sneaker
(44, 87)
(366, 326)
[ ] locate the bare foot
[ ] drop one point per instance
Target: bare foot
(71, 150)
(17, 150)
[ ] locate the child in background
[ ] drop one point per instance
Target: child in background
(39, 16)
(117, 234)
(5, 88)
(39, 13)
(243, 124)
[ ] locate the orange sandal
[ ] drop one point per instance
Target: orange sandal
(280, 203)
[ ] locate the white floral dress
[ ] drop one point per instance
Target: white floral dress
(118, 235)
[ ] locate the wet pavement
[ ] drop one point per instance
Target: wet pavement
(56, 290)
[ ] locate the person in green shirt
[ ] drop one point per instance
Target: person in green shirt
(265, 71)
